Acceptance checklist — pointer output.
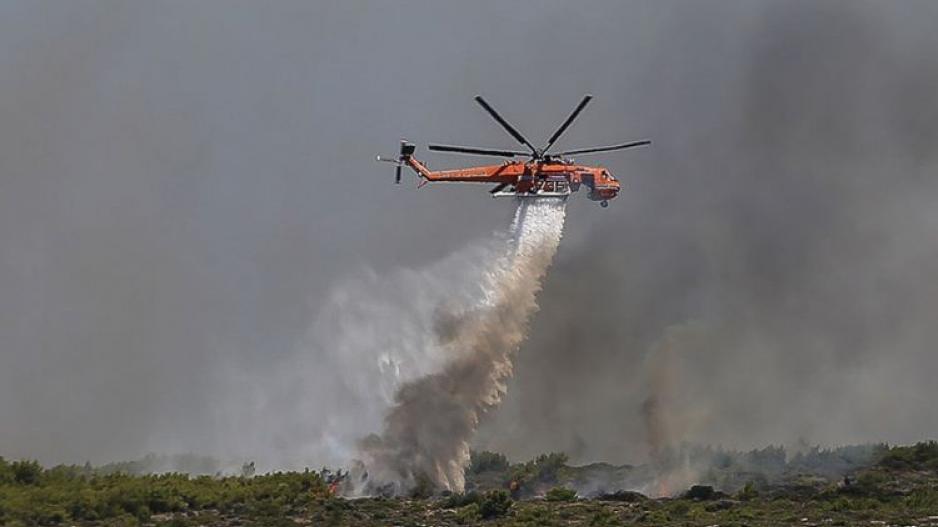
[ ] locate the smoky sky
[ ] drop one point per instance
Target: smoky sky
(183, 184)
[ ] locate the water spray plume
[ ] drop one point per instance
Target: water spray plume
(428, 429)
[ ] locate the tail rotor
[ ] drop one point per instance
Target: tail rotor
(407, 150)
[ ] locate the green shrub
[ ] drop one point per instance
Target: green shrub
(548, 465)
(748, 492)
(543, 468)
(679, 508)
(469, 515)
(26, 472)
(455, 501)
(495, 504)
(6, 472)
(486, 461)
(841, 505)
(923, 455)
(603, 518)
(923, 499)
(867, 483)
(536, 517)
(560, 494)
(424, 488)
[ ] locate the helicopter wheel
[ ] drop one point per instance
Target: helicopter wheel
(603, 203)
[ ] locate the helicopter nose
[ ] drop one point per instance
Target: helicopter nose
(604, 193)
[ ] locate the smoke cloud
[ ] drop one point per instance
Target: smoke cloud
(782, 211)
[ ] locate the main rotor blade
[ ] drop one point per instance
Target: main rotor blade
(604, 148)
(477, 151)
(511, 130)
(579, 108)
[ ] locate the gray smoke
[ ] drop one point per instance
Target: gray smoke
(428, 430)
(787, 208)
(658, 411)
(670, 413)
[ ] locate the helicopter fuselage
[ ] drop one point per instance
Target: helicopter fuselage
(529, 179)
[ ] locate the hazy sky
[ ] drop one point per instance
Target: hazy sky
(183, 184)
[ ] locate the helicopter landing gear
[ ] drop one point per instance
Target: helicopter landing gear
(603, 203)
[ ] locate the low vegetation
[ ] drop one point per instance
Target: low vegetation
(31, 495)
(560, 494)
(919, 456)
(897, 486)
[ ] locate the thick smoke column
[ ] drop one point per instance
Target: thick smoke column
(655, 410)
(668, 413)
(427, 431)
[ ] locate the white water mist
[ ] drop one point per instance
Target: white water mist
(427, 431)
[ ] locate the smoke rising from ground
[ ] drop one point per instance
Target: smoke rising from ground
(428, 431)
(670, 415)
(658, 412)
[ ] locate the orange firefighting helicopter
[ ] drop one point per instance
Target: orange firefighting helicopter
(543, 175)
